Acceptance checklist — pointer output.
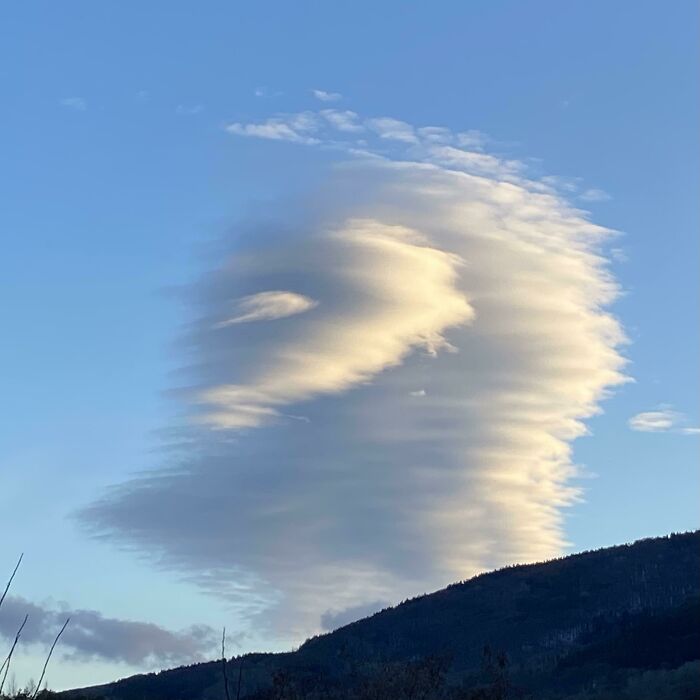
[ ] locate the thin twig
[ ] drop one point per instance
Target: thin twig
(6, 662)
(9, 583)
(223, 663)
(48, 658)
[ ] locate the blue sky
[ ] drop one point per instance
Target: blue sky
(121, 180)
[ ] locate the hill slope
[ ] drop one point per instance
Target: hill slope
(594, 620)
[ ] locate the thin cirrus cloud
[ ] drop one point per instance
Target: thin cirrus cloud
(462, 151)
(296, 128)
(90, 635)
(661, 420)
(459, 339)
(594, 194)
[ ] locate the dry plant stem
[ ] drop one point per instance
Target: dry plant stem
(6, 662)
(223, 663)
(48, 658)
(9, 583)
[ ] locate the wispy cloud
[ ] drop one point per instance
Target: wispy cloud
(263, 91)
(294, 127)
(559, 183)
(594, 195)
(79, 104)
(90, 635)
(267, 306)
(473, 161)
(436, 134)
(343, 120)
(189, 110)
(339, 128)
(393, 129)
(325, 96)
(653, 421)
(662, 420)
(471, 139)
(459, 339)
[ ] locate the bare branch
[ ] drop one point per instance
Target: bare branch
(9, 583)
(6, 662)
(48, 658)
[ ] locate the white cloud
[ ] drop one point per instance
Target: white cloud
(561, 183)
(461, 339)
(475, 162)
(393, 129)
(661, 420)
(295, 127)
(343, 120)
(268, 306)
(79, 104)
(594, 195)
(326, 96)
(653, 421)
(263, 91)
(436, 134)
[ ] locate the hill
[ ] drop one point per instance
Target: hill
(620, 622)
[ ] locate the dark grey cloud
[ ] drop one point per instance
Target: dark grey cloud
(91, 635)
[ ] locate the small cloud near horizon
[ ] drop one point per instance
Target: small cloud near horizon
(91, 635)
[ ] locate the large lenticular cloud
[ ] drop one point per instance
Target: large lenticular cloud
(385, 393)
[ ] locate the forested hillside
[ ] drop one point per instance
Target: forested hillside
(622, 622)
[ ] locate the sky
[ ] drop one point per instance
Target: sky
(312, 307)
